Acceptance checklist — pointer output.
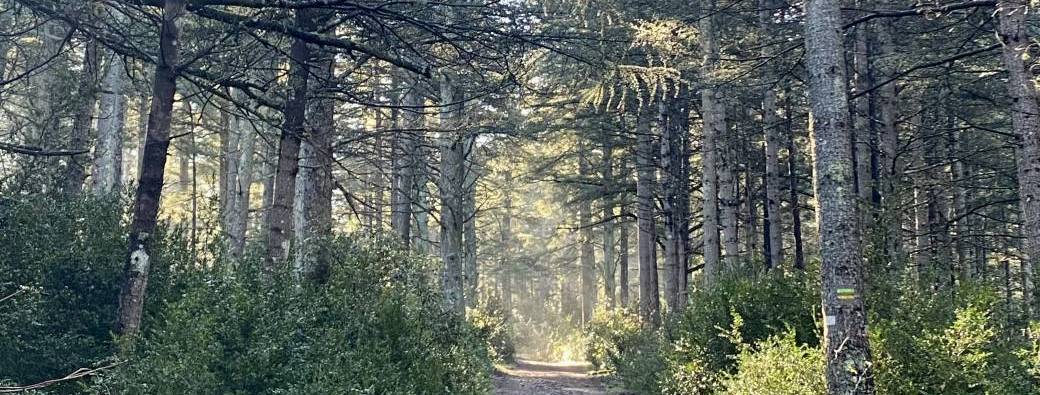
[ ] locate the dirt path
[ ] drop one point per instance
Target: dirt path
(547, 378)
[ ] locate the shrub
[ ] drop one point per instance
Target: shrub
(619, 344)
(61, 263)
(778, 365)
(376, 327)
(490, 322)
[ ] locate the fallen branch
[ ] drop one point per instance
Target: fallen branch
(79, 373)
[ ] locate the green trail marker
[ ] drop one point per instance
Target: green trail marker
(846, 294)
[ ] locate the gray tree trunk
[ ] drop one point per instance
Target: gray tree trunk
(587, 251)
(280, 216)
(674, 189)
(240, 179)
(649, 295)
(623, 266)
(771, 129)
(313, 197)
(891, 168)
(86, 102)
(405, 147)
(452, 176)
(712, 129)
(469, 213)
(849, 368)
(1025, 118)
(150, 181)
(106, 176)
(609, 223)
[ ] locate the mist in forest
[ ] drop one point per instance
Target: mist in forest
(519, 197)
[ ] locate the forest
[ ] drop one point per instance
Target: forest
(519, 197)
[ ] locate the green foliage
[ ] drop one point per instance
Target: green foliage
(376, 327)
(491, 323)
(935, 346)
(693, 351)
(618, 343)
(62, 262)
(777, 365)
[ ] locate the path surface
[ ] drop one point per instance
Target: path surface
(547, 378)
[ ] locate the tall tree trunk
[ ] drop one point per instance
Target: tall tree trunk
(673, 114)
(469, 213)
(313, 200)
(1025, 118)
(280, 216)
(107, 171)
(849, 369)
(150, 181)
(712, 129)
(240, 179)
(891, 166)
(506, 268)
(587, 251)
(452, 177)
(623, 230)
(649, 295)
(86, 101)
(609, 223)
(773, 217)
(404, 163)
(861, 116)
(792, 178)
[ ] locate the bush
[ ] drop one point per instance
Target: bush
(777, 365)
(61, 263)
(619, 344)
(953, 348)
(490, 322)
(376, 327)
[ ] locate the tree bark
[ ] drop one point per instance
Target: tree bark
(849, 369)
(792, 178)
(86, 101)
(107, 171)
(239, 179)
(773, 217)
(469, 215)
(623, 230)
(313, 201)
(673, 117)
(452, 177)
(150, 181)
(280, 216)
(402, 192)
(891, 167)
(587, 251)
(609, 223)
(1025, 118)
(649, 295)
(712, 129)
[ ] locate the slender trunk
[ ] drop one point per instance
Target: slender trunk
(76, 167)
(673, 118)
(891, 166)
(280, 216)
(150, 181)
(849, 369)
(1025, 118)
(240, 179)
(313, 200)
(609, 223)
(861, 117)
(404, 164)
(623, 230)
(451, 179)
(795, 199)
(469, 212)
(649, 296)
(588, 258)
(774, 239)
(712, 129)
(922, 205)
(506, 269)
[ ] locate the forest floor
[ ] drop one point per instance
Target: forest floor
(548, 378)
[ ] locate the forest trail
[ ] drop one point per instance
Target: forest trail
(548, 378)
